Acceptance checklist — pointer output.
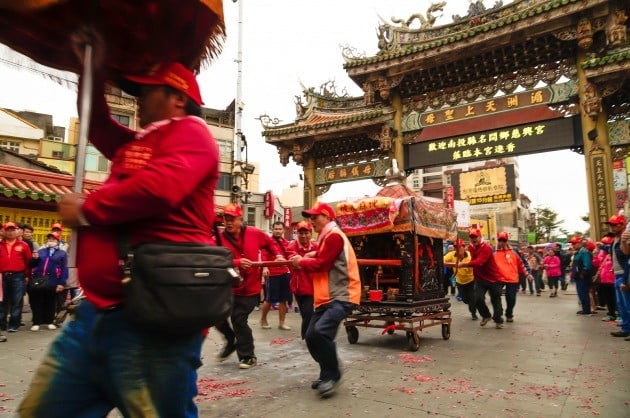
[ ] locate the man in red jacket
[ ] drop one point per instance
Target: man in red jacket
(276, 281)
(487, 278)
(15, 256)
(161, 188)
(302, 281)
(245, 242)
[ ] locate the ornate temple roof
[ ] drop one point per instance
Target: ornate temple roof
(399, 44)
(326, 110)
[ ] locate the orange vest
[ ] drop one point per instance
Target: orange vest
(342, 282)
(508, 263)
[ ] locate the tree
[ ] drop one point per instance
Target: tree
(546, 223)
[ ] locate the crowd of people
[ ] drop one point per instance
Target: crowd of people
(36, 273)
(599, 271)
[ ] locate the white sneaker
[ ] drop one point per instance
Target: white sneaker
(52, 326)
(35, 328)
(284, 327)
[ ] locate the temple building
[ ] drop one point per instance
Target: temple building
(527, 77)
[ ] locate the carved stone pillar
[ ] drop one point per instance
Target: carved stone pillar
(597, 154)
(591, 100)
(309, 182)
(616, 30)
(584, 33)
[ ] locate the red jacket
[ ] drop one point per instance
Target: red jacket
(249, 245)
(484, 267)
(301, 282)
(17, 259)
(267, 256)
(161, 188)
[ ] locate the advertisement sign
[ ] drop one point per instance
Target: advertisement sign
(288, 218)
(531, 238)
(449, 196)
(529, 138)
(269, 205)
(485, 186)
(462, 209)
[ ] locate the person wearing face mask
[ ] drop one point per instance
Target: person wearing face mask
(52, 264)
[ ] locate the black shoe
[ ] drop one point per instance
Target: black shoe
(627, 339)
(582, 313)
(315, 383)
(474, 317)
(620, 334)
(225, 352)
(327, 388)
(247, 363)
(510, 319)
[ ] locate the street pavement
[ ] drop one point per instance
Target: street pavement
(548, 363)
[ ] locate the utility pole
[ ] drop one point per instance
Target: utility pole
(240, 168)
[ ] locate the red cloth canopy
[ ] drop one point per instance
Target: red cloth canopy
(138, 34)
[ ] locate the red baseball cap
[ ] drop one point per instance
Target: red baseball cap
(303, 225)
(9, 225)
(171, 74)
(459, 243)
(607, 240)
(232, 209)
(474, 232)
(319, 208)
(590, 245)
(575, 240)
(55, 235)
(503, 235)
(57, 225)
(617, 220)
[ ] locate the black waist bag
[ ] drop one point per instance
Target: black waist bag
(178, 288)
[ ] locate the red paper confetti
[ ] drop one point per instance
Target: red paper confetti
(279, 341)
(411, 359)
(211, 389)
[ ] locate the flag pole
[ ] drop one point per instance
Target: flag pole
(79, 171)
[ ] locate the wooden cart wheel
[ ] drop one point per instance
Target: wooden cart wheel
(390, 331)
(446, 331)
(413, 340)
(353, 334)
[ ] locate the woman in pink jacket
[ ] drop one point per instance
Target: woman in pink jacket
(551, 264)
(607, 280)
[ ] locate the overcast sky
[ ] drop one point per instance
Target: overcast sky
(288, 42)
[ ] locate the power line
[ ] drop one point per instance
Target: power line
(63, 81)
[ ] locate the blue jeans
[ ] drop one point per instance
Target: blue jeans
(511, 289)
(320, 337)
(583, 286)
(14, 288)
(100, 361)
(623, 304)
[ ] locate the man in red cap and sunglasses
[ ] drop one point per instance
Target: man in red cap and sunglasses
(160, 189)
(337, 288)
(488, 278)
(246, 244)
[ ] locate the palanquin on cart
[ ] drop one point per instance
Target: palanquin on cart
(398, 237)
